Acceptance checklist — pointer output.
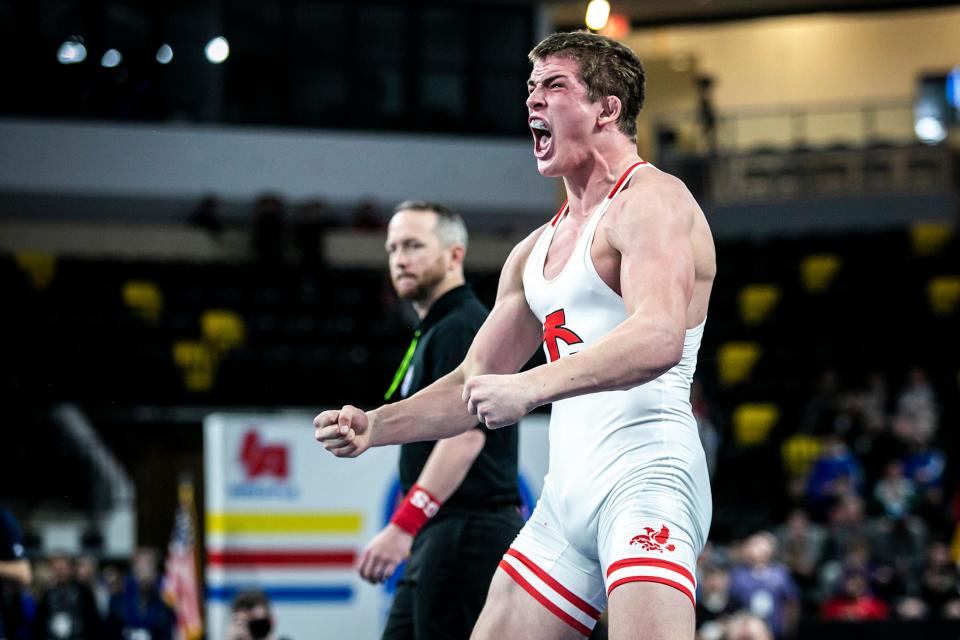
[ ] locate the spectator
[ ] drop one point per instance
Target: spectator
(746, 626)
(821, 410)
(917, 412)
(894, 492)
(207, 217)
(88, 573)
(846, 528)
(310, 223)
(854, 602)
(713, 602)
(15, 575)
(268, 229)
(801, 545)
(251, 617)
(874, 443)
(940, 583)
(366, 217)
(764, 587)
(898, 544)
(139, 611)
(67, 610)
(835, 473)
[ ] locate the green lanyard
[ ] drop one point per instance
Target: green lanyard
(404, 365)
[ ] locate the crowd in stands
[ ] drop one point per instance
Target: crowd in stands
(870, 535)
(76, 598)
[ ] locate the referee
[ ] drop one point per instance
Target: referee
(460, 511)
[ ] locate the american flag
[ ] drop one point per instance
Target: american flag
(181, 589)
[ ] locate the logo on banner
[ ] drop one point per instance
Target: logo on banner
(261, 459)
(266, 468)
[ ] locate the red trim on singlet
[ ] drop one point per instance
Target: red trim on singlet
(617, 186)
(553, 222)
(553, 584)
(551, 607)
(652, 562)
(670, 583)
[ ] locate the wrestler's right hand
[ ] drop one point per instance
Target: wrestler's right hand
(344, 433)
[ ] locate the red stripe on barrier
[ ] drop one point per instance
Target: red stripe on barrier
(295, 558)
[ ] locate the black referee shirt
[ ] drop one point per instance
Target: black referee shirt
(445, 336)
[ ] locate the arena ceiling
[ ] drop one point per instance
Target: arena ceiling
(566, 13)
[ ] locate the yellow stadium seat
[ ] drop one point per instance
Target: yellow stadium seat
(818, 271)
(799, 452)
(929, 238)
(943, 294)
(757, 301)
(735, 361)
(223, 329)
(198, 362)
(752, 422)
(144, 298)
(39, 267)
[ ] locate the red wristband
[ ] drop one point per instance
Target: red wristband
(418, 507)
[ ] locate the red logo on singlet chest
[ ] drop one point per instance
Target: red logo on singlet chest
(553, 330)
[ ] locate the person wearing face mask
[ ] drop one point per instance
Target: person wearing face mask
(251, 617)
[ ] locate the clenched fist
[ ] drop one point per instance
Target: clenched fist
(344, 433)
(497, 401)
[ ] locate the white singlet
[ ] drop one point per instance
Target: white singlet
(627, 495)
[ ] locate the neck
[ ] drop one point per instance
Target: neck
(590, 183)
(422, 307)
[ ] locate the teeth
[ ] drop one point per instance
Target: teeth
(538, 124)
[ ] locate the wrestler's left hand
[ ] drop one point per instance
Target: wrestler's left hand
(497, 401)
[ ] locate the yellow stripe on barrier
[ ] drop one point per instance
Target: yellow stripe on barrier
(323, 522)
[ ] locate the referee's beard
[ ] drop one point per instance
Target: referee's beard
(427, 284)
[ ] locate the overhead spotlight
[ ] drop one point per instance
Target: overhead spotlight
(930, 130)
(217, 50)
(597, 13)
(617, 27)
(72, 51)
(164, 54)
(111, 58)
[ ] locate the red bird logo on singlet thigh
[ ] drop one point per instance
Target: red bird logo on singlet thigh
(553, 330)
(654, 541)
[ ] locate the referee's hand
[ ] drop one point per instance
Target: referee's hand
(344, 433)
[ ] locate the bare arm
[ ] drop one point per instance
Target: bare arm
(507, 339)
(449, 463)
(16, 572)
(443, 473)
(650, 229)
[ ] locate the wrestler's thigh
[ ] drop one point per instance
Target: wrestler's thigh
(511, 612)
(650, 611)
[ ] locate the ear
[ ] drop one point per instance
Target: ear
(610, 110)
(457, 253)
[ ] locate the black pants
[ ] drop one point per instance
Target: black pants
(447, 577)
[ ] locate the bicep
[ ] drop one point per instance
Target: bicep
(511, 333)
(657, 271)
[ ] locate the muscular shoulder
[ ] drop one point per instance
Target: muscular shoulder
(652, 196)
(511, 276)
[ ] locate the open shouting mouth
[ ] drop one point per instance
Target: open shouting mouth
(542, 137)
